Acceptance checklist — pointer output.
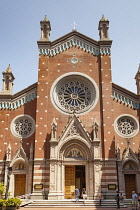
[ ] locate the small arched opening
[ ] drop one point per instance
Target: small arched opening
(130, 170)
(19, 171)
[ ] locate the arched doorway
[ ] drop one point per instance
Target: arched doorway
(71, 165)
(74, 174)
(76, 155)
(19, 172)
(130, 169)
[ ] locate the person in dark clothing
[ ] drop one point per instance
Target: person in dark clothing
(118, 200)
(100, 196)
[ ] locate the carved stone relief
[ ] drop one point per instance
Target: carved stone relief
(96, 152)
(52, 177)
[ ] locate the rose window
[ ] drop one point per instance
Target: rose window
(126, 126)
(23, 126)
(74, 94)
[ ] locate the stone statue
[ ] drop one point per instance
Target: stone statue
(54, 129)
(95, 130)
(8, 153)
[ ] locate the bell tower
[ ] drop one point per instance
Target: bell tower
(8, 79)
(45, 29)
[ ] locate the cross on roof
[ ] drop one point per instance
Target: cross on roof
(74, 25)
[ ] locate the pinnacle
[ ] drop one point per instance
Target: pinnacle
(103, 18)
(8, 69)
(45, 18)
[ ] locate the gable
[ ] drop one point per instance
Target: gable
(72, 39)
(128, 154)
(75, 129)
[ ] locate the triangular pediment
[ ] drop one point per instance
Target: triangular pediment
(75, 129)
(128, 154)
(20, 154)
(76, 34)
(71, 39)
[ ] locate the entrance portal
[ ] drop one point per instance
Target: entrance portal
(20, 183)
(130, 184)
(74, 176)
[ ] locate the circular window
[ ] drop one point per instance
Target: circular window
(126, 126)
(74, 94)
(23, 126)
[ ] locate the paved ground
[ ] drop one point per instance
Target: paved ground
(69, 208)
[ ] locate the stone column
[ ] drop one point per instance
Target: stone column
(54, 171)
(89, 180)
(59, 181)
(97, 179)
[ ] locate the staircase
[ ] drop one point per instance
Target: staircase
(71, 203)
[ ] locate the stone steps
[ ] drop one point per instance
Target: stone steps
(71, 203)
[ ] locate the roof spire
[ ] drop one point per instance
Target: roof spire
(103, 29)
(8, 69)
(103, 18)
(45, 18)
(8, 79)
(45, 29)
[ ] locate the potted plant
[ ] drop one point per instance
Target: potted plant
(2, 204)
(13, 203)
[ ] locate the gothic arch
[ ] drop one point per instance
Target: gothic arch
(20, 168)
(129, 155)
(77, 142)
(20, 156)
(130, 164)
(17, 161)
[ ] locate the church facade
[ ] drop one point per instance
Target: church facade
(74, 127)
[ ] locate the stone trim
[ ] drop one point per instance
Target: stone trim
(54, 49)
(14, 103)
(22, 129)
(87, 80)
(134, 129)
(125, 97)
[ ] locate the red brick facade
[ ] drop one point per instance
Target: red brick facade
(107, 154)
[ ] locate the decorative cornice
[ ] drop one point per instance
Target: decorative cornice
(19, 99)
(74, 39)
(125, 97)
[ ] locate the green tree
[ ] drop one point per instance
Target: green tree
(2, 189)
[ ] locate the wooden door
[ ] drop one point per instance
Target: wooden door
(20, 183)
(69, 181)
(80, 177)
(130, 184)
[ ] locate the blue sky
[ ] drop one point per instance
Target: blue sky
(20, 31)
